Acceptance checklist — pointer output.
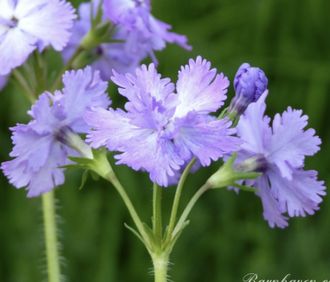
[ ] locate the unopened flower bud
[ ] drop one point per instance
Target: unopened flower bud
(249, 84)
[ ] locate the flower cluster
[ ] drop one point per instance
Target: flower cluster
(278, 152)
(162, 129)
(42, 146)
(135, 36)
(142, 31)
(164, 125)
(29, 25)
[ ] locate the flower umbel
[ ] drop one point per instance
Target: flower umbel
(160, 129)
(278, 151)
(43, 145)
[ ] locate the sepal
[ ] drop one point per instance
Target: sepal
(227, 175)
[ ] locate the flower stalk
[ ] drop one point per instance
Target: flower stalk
(51, 242)
(157, 212)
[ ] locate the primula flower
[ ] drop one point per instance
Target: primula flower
(135, 35)
(141, 30)
(27, 25)
(278, 151)
(42, 145)
(160, 129)
(107, 56)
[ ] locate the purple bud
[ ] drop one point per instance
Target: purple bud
(249, 84)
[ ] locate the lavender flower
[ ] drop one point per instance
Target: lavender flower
(42, 145)
(142, 31)
(142, 27)
(160, 129)
(107, 56)
(278, 151)
(28, 25)
(249, 83)
(136, 34)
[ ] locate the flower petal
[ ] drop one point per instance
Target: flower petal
(145, 83)
(200, 88)
(48, 20)
(290, 143)
(272, 212)
(36, 161)
(299, 196)
(253, 127)
(157, 156)
(15, 47)
(204, 137)
(83, 89)
(112, 128)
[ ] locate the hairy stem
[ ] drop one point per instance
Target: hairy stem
(53, 263)
(160, 264)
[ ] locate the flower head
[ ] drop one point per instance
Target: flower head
(249, 84)
(42, 145)
(160, 129)
(27, 25)
(142, 31)
(278, 151)
(106, 56)
(135, 35)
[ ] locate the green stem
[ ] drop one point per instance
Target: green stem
(160, 264)
(177, 197)
(24, 84)
(189, 207)
(111, 177)
(48, 207)
(53, 264)
(157, 211)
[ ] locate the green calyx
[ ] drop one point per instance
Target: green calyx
(99, 34)
(227, 175)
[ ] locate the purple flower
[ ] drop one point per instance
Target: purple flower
(278, 151)
(249, 83)
(41, 146)
(160, 129)
(3, 81)
(142, 31)
(107, 56)
(28, 25)
(136, 34)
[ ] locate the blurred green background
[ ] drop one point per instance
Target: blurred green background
(227, 236)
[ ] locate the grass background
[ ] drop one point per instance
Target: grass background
(227, 237)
